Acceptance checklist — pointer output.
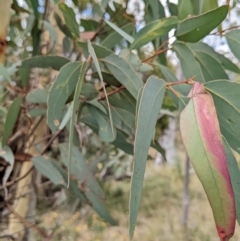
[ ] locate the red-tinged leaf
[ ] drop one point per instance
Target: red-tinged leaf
(202, 139)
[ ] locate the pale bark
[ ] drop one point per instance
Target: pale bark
(25, 201)
(5, 14)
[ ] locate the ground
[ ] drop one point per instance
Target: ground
(159, 218)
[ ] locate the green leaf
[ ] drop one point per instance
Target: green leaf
(149, 108)
(37, 96)
(73, 188)
(79, 169)
(63, 27)
(124, 73)
(75, 106)
(173, 9)
(190, 66)
(225, 62)
(60, 91)
(98, 206)
(210, 67)
(194, 29)
(70, 19)
(185, 9)
(46, 168)
(106, 132)
(233, 38)
(224, 94)
(115, 38)
(235, 176)
(11, 119)
(126, 36)
(121, 143)
(209, 5)
(197, 6)
(6, 154)
(4, 73)
(45, 61)
(153, 30)
(95, 60)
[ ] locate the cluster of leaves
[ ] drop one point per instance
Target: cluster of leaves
(125, 103)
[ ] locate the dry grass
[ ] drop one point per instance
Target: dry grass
(159, 218)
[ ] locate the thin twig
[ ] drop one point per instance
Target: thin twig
(103, 97)
(219, 33)
(156, 54)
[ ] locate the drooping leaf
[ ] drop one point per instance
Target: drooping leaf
(45, 61)
(121, 32)
(75, 106)
(80, 170)
(194, 29)
(114, 38)
(235, 176)
(60, 91)
(190, 66)
(98, 206)
(225, 95)
(37, 96)
(70, 19)
(208, 5)
(233, 38)
(197, 6)
(73, 188)
(11, 119)
(4, 73)
(149, 107)
(124, 73)
(210, 67)
(225, 62)
(173, 8)
(95, 60)
(153, 30)
(202, 140)
(185, 9)
(46, 168)
(106, 132)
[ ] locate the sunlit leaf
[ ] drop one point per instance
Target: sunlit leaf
(153, 30)
(11, 119)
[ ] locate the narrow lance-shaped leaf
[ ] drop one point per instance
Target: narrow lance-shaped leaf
(95, 60)
(235, 176)
(148, 111)
(11, 119)
(195, 28)
(124, 73)
(76, 102)
(153, 30)
(70, 19)
(202, 139)
(125, 35)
